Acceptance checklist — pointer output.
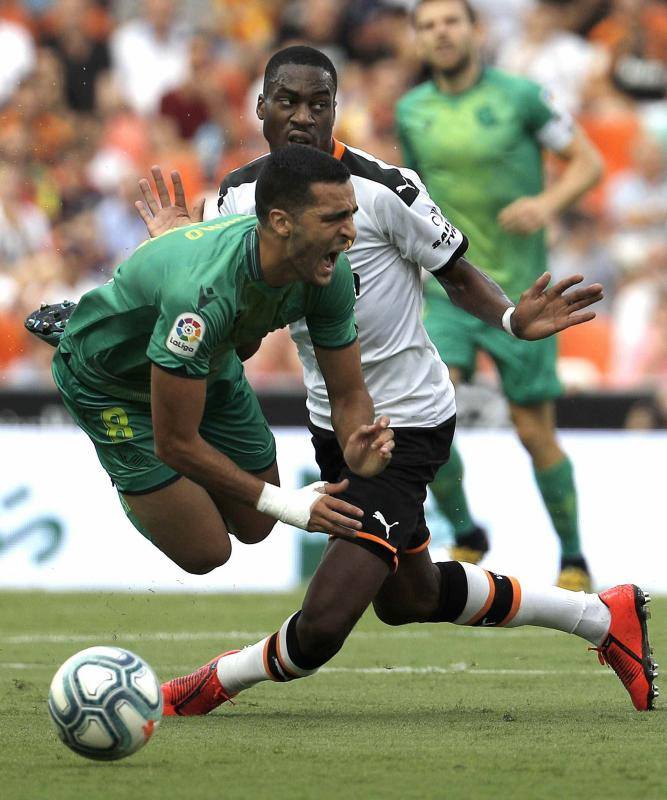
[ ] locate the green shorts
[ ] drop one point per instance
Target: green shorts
(527, 369)
(122, 432)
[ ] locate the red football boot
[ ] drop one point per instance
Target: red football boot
(196, 693)
(626, 649)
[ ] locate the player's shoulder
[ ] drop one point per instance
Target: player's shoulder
(247, 174)
(380, 176)
(414, 97)
(513, 86)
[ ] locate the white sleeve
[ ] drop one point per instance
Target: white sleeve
(226, 203)
(558, 132)
(419, 230)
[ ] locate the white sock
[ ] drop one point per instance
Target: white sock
(579, 613)
(266, 660)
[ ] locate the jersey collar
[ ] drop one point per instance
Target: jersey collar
(252, 254)
(338, 149)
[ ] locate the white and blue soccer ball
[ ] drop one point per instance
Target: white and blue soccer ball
(105, 703)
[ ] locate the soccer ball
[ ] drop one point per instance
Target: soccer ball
(105, 703)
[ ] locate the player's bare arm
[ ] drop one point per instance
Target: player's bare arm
(540, 312)
(367, 444)
(583, 169)
(179, 444)
(158, 211)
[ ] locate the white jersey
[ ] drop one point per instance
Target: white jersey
(399, 230)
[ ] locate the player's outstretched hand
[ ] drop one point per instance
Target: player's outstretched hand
(333, 516)
(543, 311)
(159, 213)
(368, 449)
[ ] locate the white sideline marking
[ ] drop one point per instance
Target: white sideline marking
(457, 669)
(186, 636)
(453, 669)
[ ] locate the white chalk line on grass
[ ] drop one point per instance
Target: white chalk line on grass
(193, 636)
(453, 669)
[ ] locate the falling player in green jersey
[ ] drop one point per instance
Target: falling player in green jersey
(476, 135)
(148, 366)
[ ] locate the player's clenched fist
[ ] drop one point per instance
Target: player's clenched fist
(368, 449)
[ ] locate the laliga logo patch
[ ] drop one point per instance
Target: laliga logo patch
(186, 334)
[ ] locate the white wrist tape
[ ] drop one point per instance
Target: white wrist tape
(292, 506)
(507, 320)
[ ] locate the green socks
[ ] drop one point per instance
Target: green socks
(448, 491)
(556, 484)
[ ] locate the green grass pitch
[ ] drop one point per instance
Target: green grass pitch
(430, 711)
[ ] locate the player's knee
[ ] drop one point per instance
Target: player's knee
(322, 634)
(531, 436)
(394, 615)
(252, 534)
(203, 563)
(390, 615)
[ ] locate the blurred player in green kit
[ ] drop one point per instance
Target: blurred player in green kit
(476, 136)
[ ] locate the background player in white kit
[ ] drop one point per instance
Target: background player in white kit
(399, 229)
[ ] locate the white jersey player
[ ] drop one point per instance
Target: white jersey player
(399, 230)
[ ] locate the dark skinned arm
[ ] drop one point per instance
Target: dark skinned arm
(541, 311)
(366, 445)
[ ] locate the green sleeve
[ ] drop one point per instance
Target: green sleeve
(536, 106)
(409, 157)
(185, 335)
(330, 315)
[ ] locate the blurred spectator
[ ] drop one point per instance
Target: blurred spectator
(119, 228)
(17, 57)
(557, 59)
(318, 22)
(634, 33)
(24, 228)
(189, 104)
(637, 198)
(581, 248)
(637, 317)
(150, 55)
(503, 22)
(83, 57)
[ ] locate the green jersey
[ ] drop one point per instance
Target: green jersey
(478, 151)
(185, 301)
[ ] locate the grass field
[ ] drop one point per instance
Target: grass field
(417, 712)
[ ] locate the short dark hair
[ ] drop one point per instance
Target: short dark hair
(286, 178)
(302, 56)
(468, 7)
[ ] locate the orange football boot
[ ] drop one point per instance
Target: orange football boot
(626, 649)
(197, 693)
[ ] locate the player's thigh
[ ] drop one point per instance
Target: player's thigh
(411, 593)
(247, 524)
(453, 332)
(182, 520)
(527, 369)
(120, 430)
(234, 424)
(392, 501)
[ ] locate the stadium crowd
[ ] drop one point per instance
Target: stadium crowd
(92, 93)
